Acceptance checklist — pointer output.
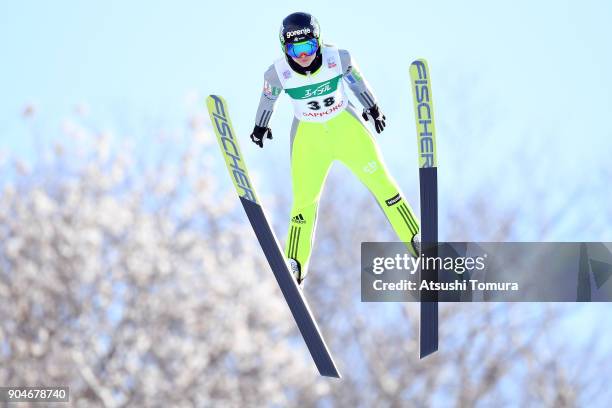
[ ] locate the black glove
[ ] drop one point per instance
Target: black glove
(377, 116)
(259, 132)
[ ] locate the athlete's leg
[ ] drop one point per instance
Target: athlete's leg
(355, 147)
(310, 161)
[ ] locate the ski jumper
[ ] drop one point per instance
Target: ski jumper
(326, 128)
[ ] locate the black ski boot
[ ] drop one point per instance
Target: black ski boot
(296, 270)
(416, 244)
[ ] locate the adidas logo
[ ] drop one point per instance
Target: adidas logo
(298, 219)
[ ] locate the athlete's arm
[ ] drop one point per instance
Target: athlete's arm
(362, 91)
(271, 91)
(355, 80)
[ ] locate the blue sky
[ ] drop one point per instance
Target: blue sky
(516, 84)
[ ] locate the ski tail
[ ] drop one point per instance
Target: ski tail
(428, 180)
(222, 125)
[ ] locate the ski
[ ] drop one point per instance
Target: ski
(428, 181)
(222, 125)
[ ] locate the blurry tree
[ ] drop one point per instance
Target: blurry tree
(129, 276)
(129, 273)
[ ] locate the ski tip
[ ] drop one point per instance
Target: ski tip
(213, 97)
(419, 61)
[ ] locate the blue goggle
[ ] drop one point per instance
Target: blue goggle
(307, 47)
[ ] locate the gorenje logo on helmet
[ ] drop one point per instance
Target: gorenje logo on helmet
(298, 32)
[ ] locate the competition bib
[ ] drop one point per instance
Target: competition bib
(318, 97)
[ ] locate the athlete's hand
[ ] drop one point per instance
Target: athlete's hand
(377, 117)
(259, 133)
